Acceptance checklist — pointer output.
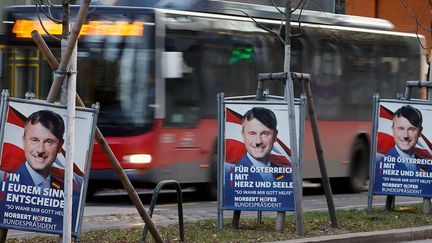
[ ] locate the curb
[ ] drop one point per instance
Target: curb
(394, 235)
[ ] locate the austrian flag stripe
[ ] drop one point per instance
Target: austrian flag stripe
(231, 177)
(385, 136)
(3, 187)
(380, 168)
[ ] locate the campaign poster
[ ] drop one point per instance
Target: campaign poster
(257, 166)
(32, 165)
(403, 163)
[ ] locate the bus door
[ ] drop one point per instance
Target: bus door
(184, 151)
(23, 71)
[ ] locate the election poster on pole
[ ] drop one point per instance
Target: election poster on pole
(258, 175)
(403, 148)
(33, 161)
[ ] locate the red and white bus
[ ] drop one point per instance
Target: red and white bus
(157, 71)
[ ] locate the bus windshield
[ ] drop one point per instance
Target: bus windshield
(115, 68)
(119, 75)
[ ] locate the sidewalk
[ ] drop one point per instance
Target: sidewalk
(394, 235)
(114, 216)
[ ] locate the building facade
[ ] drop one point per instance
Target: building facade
(414, 16)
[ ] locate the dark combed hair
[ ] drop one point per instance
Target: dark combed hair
(264, 115)
(413, 115)
(50, 120)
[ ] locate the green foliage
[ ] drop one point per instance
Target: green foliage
(314, 224)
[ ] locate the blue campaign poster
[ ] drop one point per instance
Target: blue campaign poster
(32, 166)
(403, 164)
(258, 171)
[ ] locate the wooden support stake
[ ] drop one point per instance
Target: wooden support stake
(319, 151)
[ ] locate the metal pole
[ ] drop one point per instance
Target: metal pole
(153, 202)
(373, 152)
(4, 94)
(427, 201)
(418, 84)
(220, 160)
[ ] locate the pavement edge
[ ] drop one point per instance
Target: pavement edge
(394, 235)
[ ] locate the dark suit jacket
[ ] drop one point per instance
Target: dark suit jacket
(26, 179)
(245, 162)
(403, 166)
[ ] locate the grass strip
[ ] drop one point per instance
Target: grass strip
(314, 224)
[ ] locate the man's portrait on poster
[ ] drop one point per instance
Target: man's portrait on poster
(407, 127)
(42, 142)
(32, 169)
(257, 161)
(403, 163)
(259, 133)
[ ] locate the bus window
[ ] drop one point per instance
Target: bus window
(183, 93)
(121, 78)
(225, 56)
(23, 71)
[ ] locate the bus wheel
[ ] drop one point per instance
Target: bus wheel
(212, 185)
(359, 171)
(91, 191)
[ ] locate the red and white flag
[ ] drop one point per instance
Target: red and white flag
(385, 142)
(235, 148)
(13, 154)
